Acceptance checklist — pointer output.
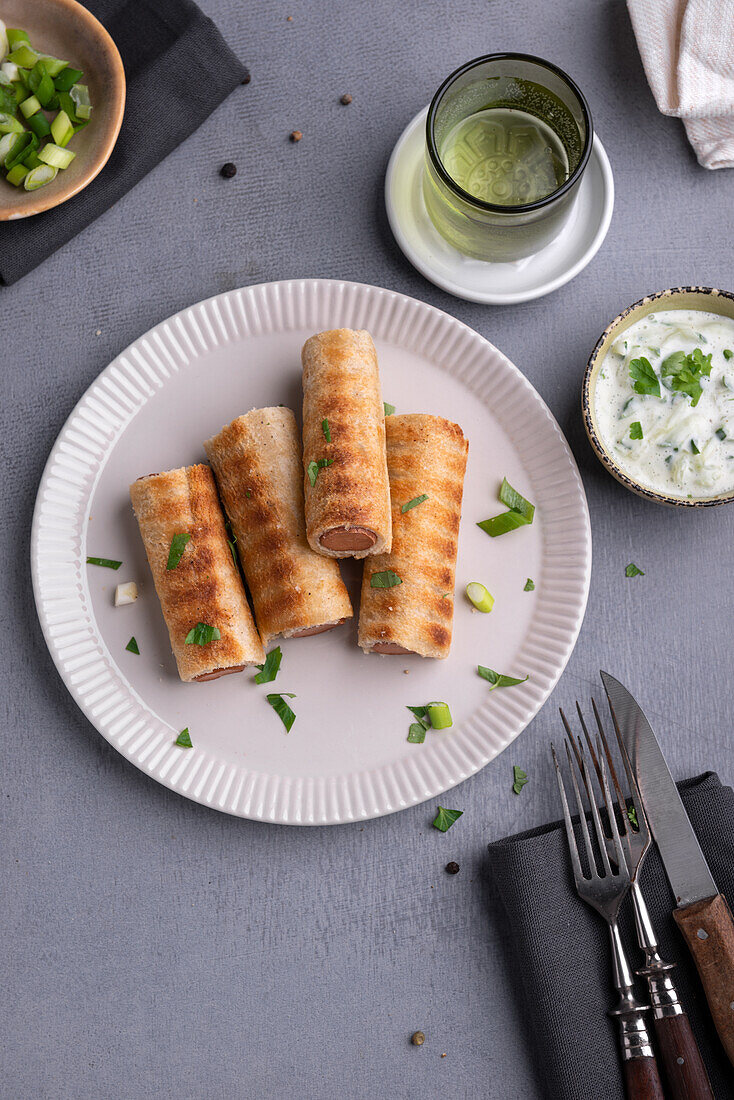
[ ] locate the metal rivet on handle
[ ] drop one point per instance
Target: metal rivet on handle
(702, 935)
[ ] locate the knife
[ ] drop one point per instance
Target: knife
(702, 913)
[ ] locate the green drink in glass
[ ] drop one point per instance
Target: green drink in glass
(507, 139)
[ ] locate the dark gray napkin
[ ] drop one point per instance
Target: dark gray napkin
(178, 69)
(561, 952)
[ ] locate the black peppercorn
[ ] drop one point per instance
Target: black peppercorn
(346, 99)
(228, 170)
(452, 868)
(417, 1038)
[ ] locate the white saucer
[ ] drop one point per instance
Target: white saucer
(476, 280)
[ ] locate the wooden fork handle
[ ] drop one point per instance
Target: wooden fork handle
(685, 1073)
(708, 929)
(642, 1080)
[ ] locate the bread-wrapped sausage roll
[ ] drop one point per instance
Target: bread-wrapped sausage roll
(204, 586)
(346, 486)
(257, 464)
(426, 457)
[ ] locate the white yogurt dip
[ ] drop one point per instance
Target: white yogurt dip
(664, 403)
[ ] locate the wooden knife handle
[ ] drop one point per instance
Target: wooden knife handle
(685, 1072)
(708, 929)
(642, 1080)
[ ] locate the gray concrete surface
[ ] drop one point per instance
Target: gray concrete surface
(153, 948)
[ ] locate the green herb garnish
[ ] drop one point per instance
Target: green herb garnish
(644, 378)
(202, 634)
(446, 818)
(515, 501)
(497, 679)
(440, 715)
(414, 502)
(269, 670)
(633, 571)
(635, 430)
(314, 467)
(281, 708)
(108, 563)
(694, 448)
(389, 409)
(132, 646)
(519, 778)
(416, 733)
(385, 579)
(686, 371)
(728, 353)
(184, 739)
(520, 514)
(326, 430)
(529, 585)
(421, 714)
(720, 434)
(178, 544)
(632, 815)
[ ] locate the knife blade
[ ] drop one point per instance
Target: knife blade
(701, 913)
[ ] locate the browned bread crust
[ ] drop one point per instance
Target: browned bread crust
(257, 464)
(425, 454)
(348, 507)
(205, 586)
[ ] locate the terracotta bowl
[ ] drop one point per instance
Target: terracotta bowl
(681, 297)
(65, 29)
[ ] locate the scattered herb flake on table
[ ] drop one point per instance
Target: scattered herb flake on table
(184, 739)
(269, 670)
(497, 680)
(529, 585)
(281, 708)
(107, 563)
(445, 819)
(176, 549)
(519, 778)
(202, 634)
(633, 570)
(132, 646)
(632, 815)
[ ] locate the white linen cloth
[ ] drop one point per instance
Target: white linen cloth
(687, 50)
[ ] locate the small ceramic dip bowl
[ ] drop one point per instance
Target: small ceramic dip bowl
(703, 299)
(63, 28)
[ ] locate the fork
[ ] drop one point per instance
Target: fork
(605, 893)
(683, 1065)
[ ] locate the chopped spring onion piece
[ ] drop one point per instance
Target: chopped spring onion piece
(529, 585)
(10, 125)
(16, 37)
(269, 670)
(10, 70)
(31, 160)
(440, 715)
(202, 634)
(176, 549)
(281, 708)
(56, 156)
(23, 55)
(108, 563)
(126, 593)
(25, 145)
(30, 106)
(416, 733)
(67, 78)
(480, 596)
(4, 41)
(446, 818)
(39, 124)
(45, 91)
(633, 570)
(62, 130)
(497, 680)
(132, 646)
(389, 409)
(80, 94)
(414, 502)
(504, 522)
(184, 739)
(17, 174)
(385, 579)
(7, 142)
(515, 501)
(326, 430)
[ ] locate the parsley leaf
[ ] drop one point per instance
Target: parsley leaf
(281, 708)
(497, 680)
(132, 647)
(529, 585)
(686, 371)
(728, 353)
(644, 378)
(416, 733)
(633, 571)
(635, 430)
(385, 579)
(421, 714)
(202, 634)
(446, 818)
(414, 502)
(178, 544)
(184, 739)
(269, 670)
(389, 409)
(519, 778)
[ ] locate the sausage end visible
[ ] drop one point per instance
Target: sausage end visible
(345, 539)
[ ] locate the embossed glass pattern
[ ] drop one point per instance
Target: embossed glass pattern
(507, 139)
